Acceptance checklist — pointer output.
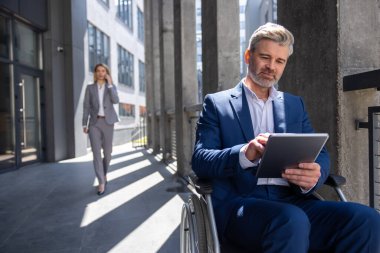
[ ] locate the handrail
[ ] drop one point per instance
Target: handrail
(193, 108)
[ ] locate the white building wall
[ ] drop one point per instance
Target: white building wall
(106, 20)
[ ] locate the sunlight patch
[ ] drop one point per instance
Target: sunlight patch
(126, 158)
(111, 201)
(112, 175)
(154, 231)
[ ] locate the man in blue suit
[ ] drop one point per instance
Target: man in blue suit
(271, 214)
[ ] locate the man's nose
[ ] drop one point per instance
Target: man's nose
(270, 65)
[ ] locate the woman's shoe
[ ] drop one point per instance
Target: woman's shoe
(101, 191)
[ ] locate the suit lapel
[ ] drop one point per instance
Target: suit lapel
(104, 93)
(279, 116)
(239, 104)
(96, 94)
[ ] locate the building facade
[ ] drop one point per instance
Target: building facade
(47, 53)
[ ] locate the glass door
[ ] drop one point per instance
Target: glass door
(7, 131)
(28, 116)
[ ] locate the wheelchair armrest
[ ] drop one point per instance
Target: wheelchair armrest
(335, 180)
(202, 186)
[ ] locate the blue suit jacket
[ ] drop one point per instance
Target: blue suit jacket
(224, 127)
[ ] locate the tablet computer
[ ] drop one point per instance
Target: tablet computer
(286, 149)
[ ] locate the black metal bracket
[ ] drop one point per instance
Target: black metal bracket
(365, 80)
(361, 124)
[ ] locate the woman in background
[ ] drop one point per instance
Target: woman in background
(99, 117)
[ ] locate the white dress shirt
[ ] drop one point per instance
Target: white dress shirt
(101, 96)
(262, 121)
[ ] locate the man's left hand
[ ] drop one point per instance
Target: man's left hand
(306, 175)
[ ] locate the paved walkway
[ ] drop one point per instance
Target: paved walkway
(53, 207)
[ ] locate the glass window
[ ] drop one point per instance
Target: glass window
(91, 46)
(4, 37)
(142, 110)
(127, 114)
(140, 25)
(106, 2)
(124, 12)
(98, 47)
(7, 147)
(26, 45)
(125, 67)
(141, 76)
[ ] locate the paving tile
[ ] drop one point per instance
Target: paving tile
(53, 207)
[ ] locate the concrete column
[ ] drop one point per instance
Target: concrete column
(156, 6)
(330, 44)
(167, 76)
(153, 76)
(65, 77)
(149, 73)
(56, 136)
(220, 45)
(75, 69)
(185, 79)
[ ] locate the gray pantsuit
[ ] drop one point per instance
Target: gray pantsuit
(101, 135)
(100, 128)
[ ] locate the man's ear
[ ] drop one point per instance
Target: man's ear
(247, 56)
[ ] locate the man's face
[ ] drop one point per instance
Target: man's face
(267, 62)
(101, 73)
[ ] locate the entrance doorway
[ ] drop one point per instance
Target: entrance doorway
(21, 125)
(28, 115)
(20, 85)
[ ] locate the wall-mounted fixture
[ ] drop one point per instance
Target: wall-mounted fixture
(365, 80)
(360, 124)
(59, 49)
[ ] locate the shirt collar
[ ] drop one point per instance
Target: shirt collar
(273, 93)
(100, 86)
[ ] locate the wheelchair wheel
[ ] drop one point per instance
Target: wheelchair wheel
(193, 233)
(210, 239)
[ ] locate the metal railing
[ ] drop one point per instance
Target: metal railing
(192, 113)
(139, 134)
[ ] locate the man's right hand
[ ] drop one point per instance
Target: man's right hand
(85, 130)
(256, 147)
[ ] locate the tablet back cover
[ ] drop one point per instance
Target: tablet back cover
(284, 150)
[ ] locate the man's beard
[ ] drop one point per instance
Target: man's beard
(264, 83)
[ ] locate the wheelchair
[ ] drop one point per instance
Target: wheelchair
(198, 233)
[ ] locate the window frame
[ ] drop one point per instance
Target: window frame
(125, 12)
(98, 46)
(125, 65)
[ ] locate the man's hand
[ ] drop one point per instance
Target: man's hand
(85, 130)
(255, 147)
(306, 175)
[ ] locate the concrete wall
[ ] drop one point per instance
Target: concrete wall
(54, 78)
(311, 71)
(64, 78)
(358, 51)
(331, 43)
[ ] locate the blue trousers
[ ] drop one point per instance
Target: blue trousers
(274, 219)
